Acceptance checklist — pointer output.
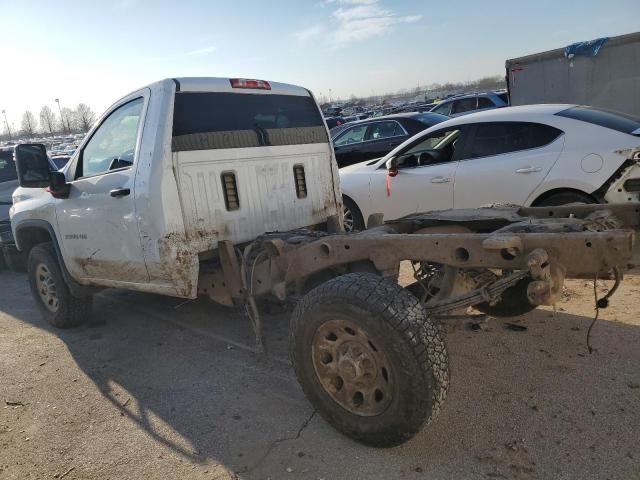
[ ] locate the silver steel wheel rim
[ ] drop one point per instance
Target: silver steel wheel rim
(352, 368)
(47, 288)
(347, 221)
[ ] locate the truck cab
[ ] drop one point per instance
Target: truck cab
(172, 169)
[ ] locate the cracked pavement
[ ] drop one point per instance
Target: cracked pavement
(154, 387)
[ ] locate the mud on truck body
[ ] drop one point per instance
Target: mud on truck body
(228, 189)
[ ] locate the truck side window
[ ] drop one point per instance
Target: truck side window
(113, 144)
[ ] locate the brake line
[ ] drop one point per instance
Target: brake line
(602, 302)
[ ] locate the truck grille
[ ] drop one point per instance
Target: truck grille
(230, 189)
(301, 181)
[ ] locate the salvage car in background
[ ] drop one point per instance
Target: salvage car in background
(536, 155)
(470, 103)
(374, 138)
(333, 122)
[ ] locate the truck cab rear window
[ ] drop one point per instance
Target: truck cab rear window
(216, 120)
(620, 122)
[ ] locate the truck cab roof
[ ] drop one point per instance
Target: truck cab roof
(221, 84)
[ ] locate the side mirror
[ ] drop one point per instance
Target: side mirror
(32, 164)
(34, 170)
(392, 167)
(58, 186)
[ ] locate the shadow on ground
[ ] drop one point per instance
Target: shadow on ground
(530, 404)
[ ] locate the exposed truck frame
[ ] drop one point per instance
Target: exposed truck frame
(534, 247)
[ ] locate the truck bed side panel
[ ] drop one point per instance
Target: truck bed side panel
(266, 191)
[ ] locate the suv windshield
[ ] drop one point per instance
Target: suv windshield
(213, 120)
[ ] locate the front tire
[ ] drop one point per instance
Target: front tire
(369, 359)
(352, 216)
(51, 293)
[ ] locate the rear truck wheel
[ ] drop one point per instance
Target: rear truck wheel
(369, 359)
(58, 306)
(352, 217)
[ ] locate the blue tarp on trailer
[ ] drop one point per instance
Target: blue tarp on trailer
(586, 49)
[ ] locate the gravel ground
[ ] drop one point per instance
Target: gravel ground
(156, 388)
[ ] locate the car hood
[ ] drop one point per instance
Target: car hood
(361, 165)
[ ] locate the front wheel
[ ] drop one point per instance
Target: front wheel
(369, 359)
(352, 217)
(58, 306)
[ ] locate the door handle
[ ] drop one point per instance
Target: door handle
(440, 180)
(120, 192)
(528, 170)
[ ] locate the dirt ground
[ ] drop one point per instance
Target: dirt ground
(154, 388)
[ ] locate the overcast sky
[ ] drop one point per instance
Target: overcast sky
(95, 52)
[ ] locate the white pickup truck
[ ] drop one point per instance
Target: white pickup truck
(172, 169)
(228, 188)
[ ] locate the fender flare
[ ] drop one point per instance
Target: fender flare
(77, 289)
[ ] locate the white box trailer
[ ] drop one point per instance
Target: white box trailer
(610, 79)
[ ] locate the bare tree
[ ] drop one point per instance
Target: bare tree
(48, 120)
(29, 124)
(68, 120)
(85, 117)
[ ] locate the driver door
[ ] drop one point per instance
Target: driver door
(426, 171)
(97, 223)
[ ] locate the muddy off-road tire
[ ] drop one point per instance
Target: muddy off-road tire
(369, 359)
(513, 302)
(51, 293)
